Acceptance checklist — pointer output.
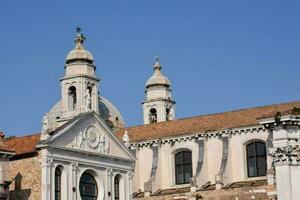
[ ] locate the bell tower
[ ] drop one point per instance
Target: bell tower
(79, 86)
(158, 105)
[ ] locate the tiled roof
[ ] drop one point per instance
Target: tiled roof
(204, 123)
(198, 124)
(22, 145)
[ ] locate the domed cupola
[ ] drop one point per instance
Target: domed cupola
(79, 53)
(157, 78)
(80, 92)
(158, 105)
(79, 84)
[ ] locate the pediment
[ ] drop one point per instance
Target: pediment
(89, 133)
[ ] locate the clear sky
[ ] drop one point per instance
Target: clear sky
(219, 55)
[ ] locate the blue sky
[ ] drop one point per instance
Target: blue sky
(219, 55)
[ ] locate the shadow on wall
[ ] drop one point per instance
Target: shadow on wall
(18, 193)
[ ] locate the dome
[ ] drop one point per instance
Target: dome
(79, 52)
(108, 112)
(158, 78)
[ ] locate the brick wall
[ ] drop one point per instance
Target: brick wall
(26, 176)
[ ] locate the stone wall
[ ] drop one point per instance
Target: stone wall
(26, 179)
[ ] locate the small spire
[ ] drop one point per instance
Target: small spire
(157, 65)
(79, 38)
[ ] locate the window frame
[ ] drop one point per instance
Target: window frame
(255, 157)
(117, 177)
(58, 169)
(185, 182)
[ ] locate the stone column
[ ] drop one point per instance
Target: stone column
(46, 164)
(285, 154)
(287, 167)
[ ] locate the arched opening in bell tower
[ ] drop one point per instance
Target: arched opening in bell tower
(168, 110)
(153, 116)
(72, 98)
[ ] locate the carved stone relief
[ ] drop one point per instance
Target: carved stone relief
(90, 138)
(288, 155)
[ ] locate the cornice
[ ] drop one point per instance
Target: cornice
(197, 136)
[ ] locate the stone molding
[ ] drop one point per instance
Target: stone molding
(197, 136)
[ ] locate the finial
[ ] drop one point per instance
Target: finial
(79, 37)
(157, 64)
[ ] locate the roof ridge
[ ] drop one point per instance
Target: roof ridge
(217, 113)
(241, 109)
(21, 136)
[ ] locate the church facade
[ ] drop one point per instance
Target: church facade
(85, 152)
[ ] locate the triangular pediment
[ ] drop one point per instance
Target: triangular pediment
(89, 133)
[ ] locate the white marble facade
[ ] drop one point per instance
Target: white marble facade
(79, 152)
(85, 145)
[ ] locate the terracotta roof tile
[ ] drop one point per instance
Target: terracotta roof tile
(22, 145)
(204, 123)
(198, 124)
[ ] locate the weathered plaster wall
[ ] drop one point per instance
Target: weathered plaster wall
(26, 177)
(235, 169)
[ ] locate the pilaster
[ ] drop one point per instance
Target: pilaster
(46, 164)
(109, 182)
(129, 184)
(74, 190)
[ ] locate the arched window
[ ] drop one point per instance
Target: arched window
(57, 184)
(167, 114)
(256, 159)
(117, 187)
(153, 116)
(88, 187)
(72, 98)
(183, 167)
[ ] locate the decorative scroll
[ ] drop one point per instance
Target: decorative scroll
(149, 183)
(199, 162)
(219, 176)
(224, 155)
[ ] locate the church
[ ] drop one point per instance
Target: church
(85, 151)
